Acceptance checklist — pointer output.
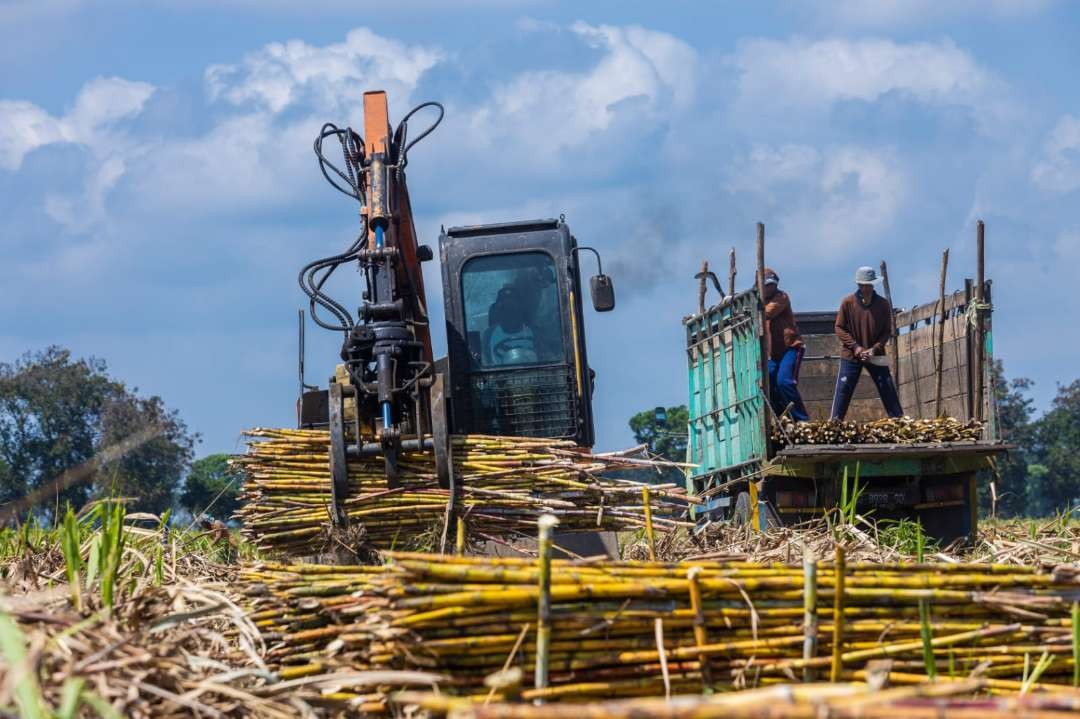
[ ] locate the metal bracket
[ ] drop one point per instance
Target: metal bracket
(444, 465)
(339, 465)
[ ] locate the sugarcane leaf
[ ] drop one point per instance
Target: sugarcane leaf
(27, 692)
(104, 709)
(69, 698)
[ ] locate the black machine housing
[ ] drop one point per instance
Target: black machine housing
(516, 361)
(515, 330)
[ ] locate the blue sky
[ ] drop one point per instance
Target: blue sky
(158, 192)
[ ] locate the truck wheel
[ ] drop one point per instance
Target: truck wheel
(741, 514)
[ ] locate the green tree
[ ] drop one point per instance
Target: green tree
(1014, 412)
(1054, 475)
(150, 473)
(211, 480)
(57, 412)
(666, 439)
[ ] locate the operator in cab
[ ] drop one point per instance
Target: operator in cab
(512, 335)
(864, 325)
(786, 350)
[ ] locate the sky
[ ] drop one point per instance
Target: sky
(158, 191)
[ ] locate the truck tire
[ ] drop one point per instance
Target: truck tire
(741, 514)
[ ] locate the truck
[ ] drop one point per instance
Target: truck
(742, 473)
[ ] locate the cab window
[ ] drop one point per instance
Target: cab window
(512, 313)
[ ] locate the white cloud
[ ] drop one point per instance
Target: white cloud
(322, 77)
(863, 191)
(101, 103)
(640, 79)
(80, 212)
(765, 166)
(24, 127)
(802, 75)
(1059, 168)
(243, 162)
(847, 198)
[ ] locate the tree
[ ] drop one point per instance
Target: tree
(1054, 475)
(150, 473)
(57, 413)
(50, 410)
(211, 483)
(1014, 410)
(667, 439)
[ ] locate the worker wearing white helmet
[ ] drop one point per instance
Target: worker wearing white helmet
(864, 326)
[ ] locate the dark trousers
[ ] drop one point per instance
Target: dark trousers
(848, 378)
(784, 382)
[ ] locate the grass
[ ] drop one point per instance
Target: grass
(906, 537)
(108, 563)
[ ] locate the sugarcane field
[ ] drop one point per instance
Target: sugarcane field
(820, 459)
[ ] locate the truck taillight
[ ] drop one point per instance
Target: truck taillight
(944, 492)
(791, 498)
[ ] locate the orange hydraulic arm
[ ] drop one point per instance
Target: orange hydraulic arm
(386, 351)
(401, 232)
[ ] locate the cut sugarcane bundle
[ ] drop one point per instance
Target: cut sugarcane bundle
(892, 430)
(624, 629)
(506, 483)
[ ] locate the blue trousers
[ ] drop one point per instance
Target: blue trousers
(848, 378)
(784, 383)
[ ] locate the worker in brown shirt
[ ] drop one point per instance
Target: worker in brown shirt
(785, 350)
(864, 325)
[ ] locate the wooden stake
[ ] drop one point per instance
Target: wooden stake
(761, 265)
(764, 341)
(731, 273)
(895, 341)
(701, 286)
(838, 616)
(810, 628)
(650, 538)
(980, 338)
(939, 359)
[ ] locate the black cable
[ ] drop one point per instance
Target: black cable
(402, 131)
(312, 286)
(315, 296)
(314, 275)
(352, 148)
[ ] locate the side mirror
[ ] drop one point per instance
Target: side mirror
(600, 287)
(603, 293)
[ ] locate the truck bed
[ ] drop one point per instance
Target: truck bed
(825, 452)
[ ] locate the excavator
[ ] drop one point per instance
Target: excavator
(516, 362)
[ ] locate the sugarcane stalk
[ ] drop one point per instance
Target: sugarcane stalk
(809, 610)
(838, 614)
(543, 613)
(1075, 625)
(700, 634)
(646, 501)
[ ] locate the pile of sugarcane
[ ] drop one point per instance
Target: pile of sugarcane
(937, 700)
(891, 430)
(624, 629)
(506, 483)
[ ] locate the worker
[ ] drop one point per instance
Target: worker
(511, 338)
(864, 325)
(786, 350)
